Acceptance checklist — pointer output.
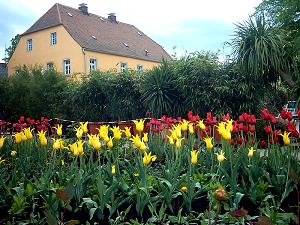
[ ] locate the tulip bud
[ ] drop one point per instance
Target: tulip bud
(220, 194)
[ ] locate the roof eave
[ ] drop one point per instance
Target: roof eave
(44, 28)
(120, 54)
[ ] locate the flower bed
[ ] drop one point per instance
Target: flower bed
(183, 171)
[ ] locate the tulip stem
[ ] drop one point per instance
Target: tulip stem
(217, 214)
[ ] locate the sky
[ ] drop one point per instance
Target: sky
(179, 26)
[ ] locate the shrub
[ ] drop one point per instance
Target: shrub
(159, 92)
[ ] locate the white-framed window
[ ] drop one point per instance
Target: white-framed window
(93, 64)
(53, 38)
(124, 66)
(50, 66)
(29, 45)
(67, 66)
(140, 68)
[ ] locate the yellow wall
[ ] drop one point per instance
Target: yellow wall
(110, 62)
(43, 52)
(66, 48)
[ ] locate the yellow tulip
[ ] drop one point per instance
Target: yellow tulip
(113, 169)
(96, 143)
(184, 125)
(286, 139)
(145, 138)
(23, 136)
(191, 128)
(110, 142)
(220, 157)
(117, 132)
(184, 189)
(148, 158)
(208, 142)
(84, 127)
(42, 137)
(250, 152)
(224, 130)
(103, 131)
(143, 146)
(18, 137)
(171, 139)
(79, 132)
(139, 124)
(57, 144)
(2, 160)
(13, 153)
(28, 133)
(2, 139)
(78, 150)
(127, 132)
(229, 125)
(58, 130)
(136, 141)
(106, 138)
(177, 131)
(91, 139)
(194, 157)
(178, 143)
(80, 147)
(201, 125)
(73, 146)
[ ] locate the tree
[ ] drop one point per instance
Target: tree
(10, 50)
(261, 51)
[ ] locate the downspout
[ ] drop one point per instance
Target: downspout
(84, 62)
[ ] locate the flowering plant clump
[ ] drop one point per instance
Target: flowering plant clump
(160, 171)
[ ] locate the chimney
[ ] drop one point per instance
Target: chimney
(112, 17)
(83, 8)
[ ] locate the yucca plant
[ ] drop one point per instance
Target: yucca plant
(159, 93)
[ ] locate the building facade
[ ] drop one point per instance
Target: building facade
(74, 41)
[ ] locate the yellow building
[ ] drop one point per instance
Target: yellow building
(74, 41)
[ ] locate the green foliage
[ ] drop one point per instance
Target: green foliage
(40, 185)
(260, 51)
(33, 93)
(106, 96)
(159, 92)
(11, 49)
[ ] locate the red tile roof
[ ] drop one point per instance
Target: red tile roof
(99, 34)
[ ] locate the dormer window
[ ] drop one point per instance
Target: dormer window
(70, 15)
(29, 45)
(94, 37)
(146, 52)
(53, 38)
(126, 45)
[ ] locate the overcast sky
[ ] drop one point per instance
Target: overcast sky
(191, 25)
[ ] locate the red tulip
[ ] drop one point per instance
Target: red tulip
(289, 116)
(251, 128)
(283, 114)
(272, 119)
(265, 114)
(241, 118)
(268, 129)
(263, 144)
(22, 119)
(232, 142)
(251, 119)
(239, 140)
